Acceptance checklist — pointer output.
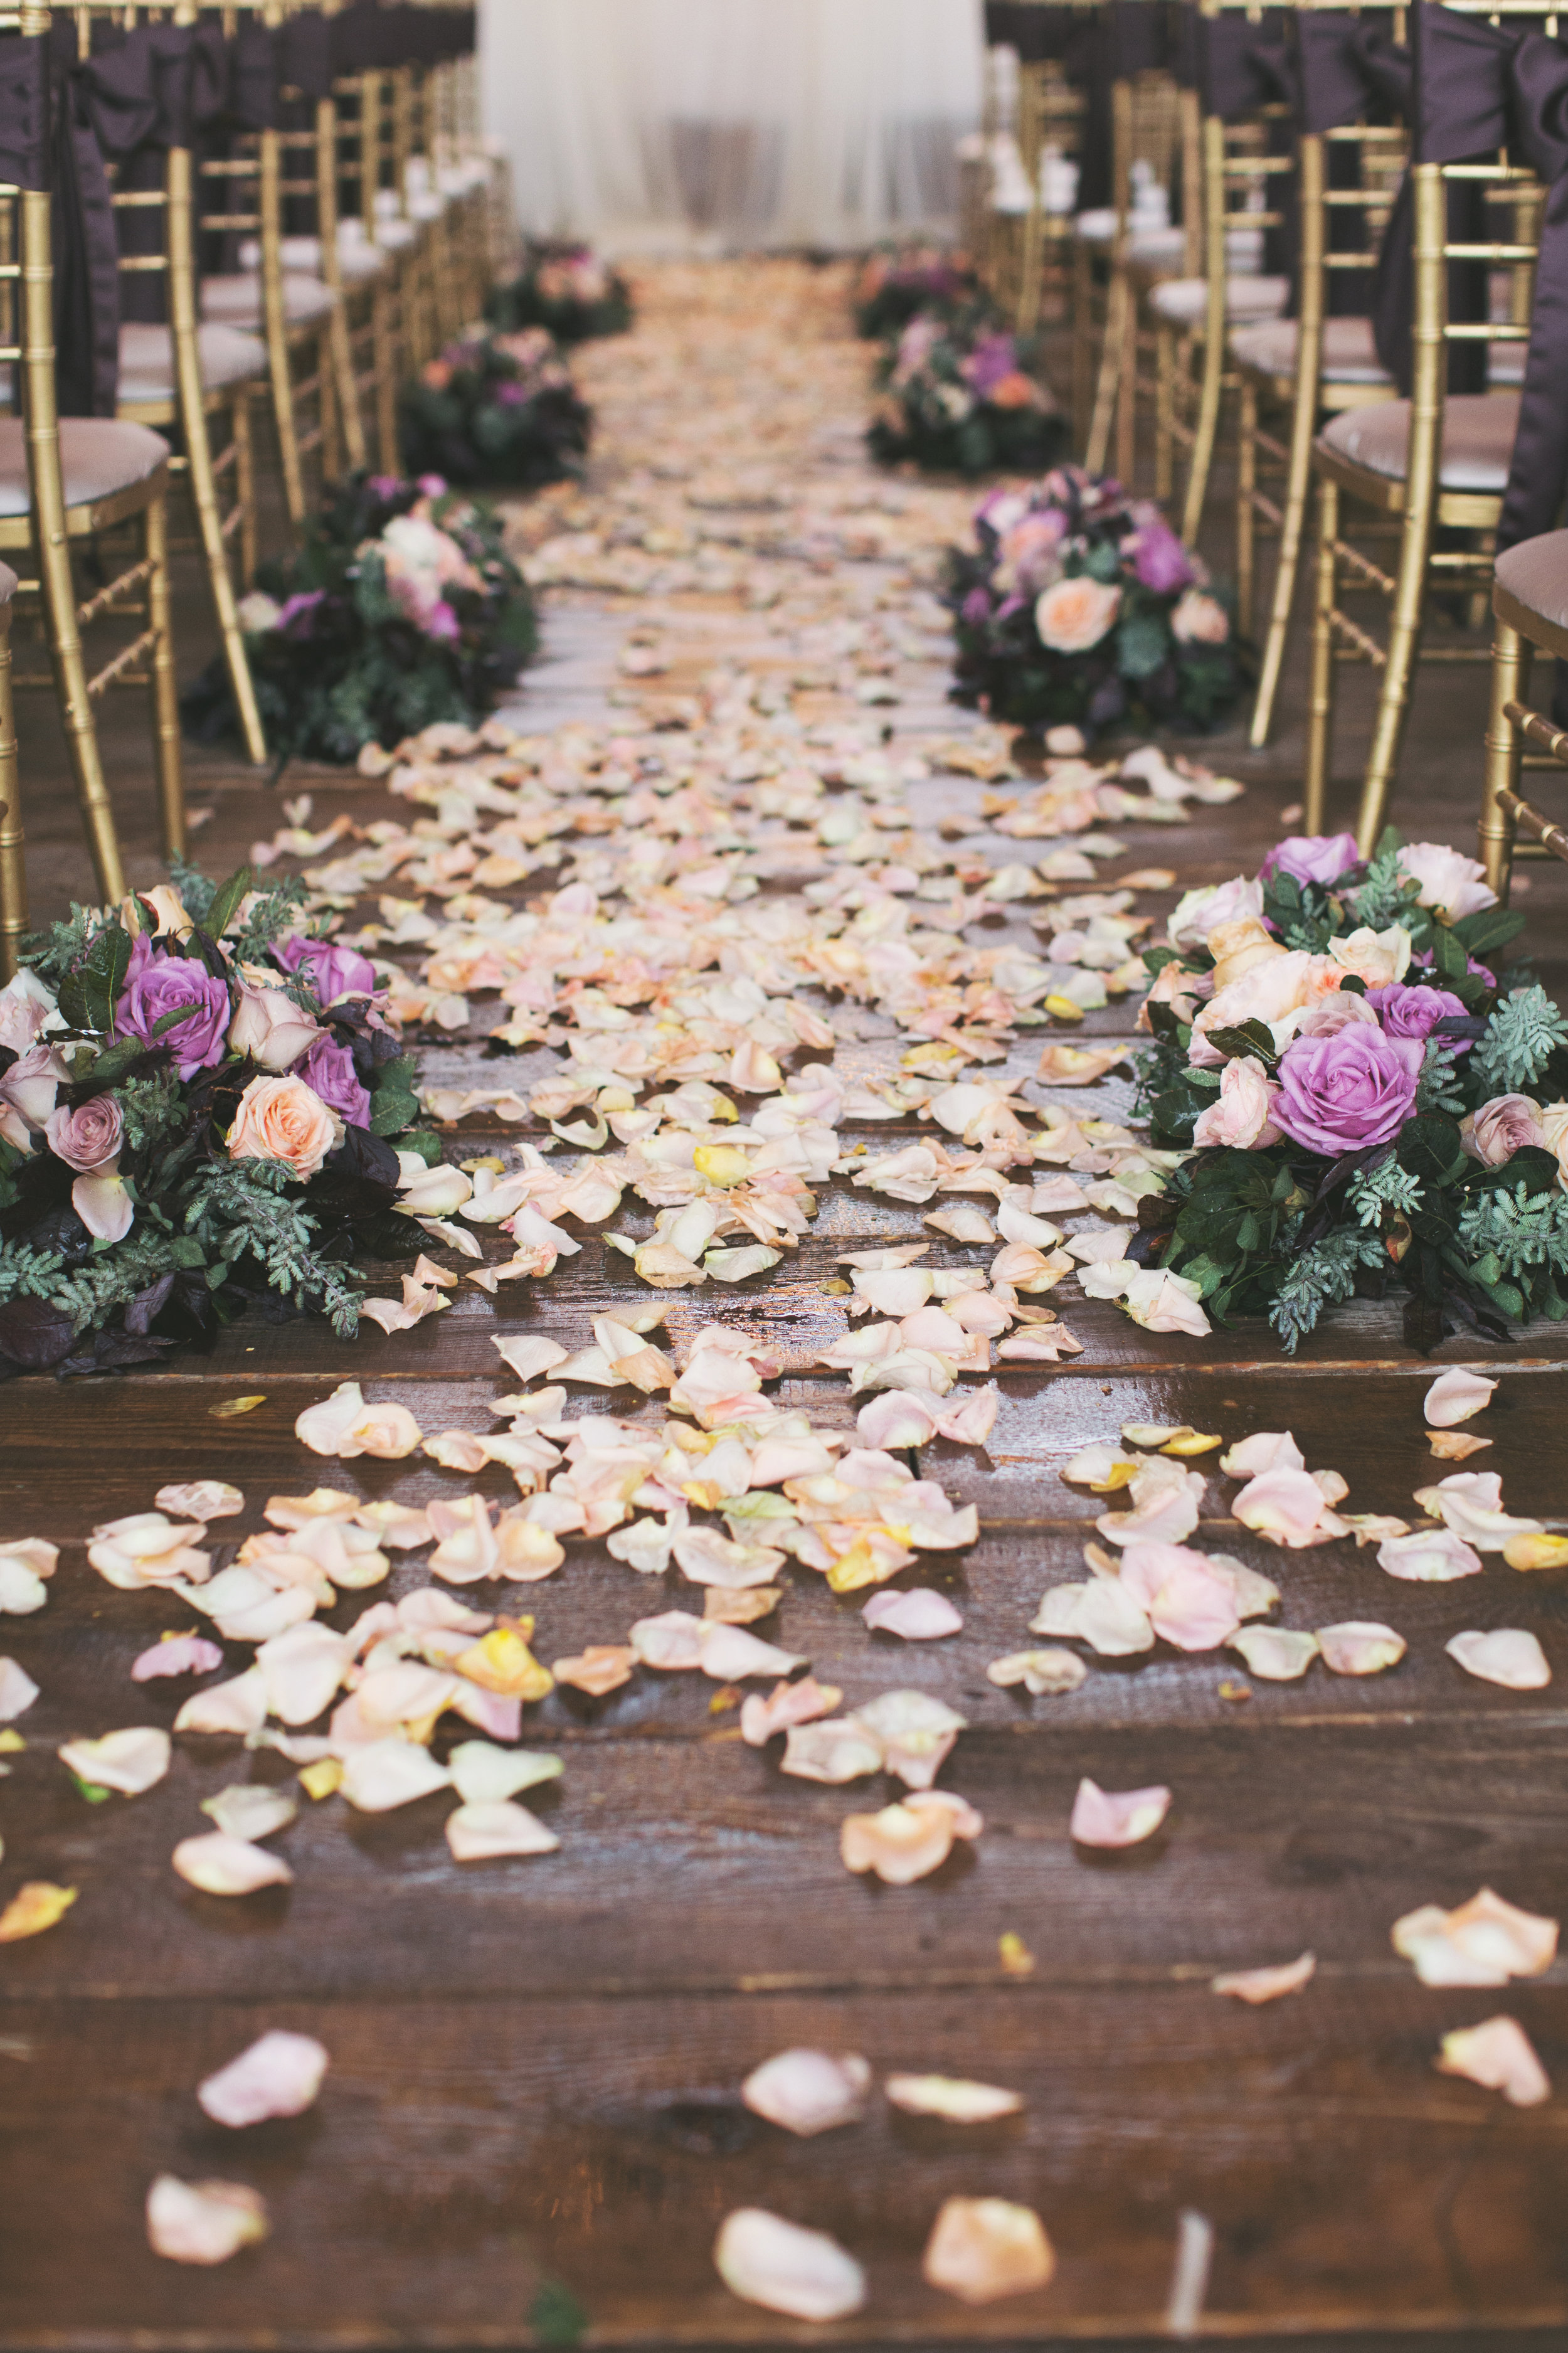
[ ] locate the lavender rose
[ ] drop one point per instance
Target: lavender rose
(88, 1137)
(327, 1070)
(331, 971)
(1160, 561)
(162, 984)
(1346, 1093)
(1415, 1011)
(1312, 857)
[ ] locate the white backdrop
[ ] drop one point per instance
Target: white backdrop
(691, 125)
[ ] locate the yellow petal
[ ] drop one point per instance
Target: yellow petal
(1063, 1008)
(231, 1406)
(1191, 1442)
(34, 1908)
(1536, 1552)
(721, 1163)
(320, 1779)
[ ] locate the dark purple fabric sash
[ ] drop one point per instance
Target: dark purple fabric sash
(1348, 70)
(1123, 39)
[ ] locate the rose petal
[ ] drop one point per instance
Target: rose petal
(38, 1905)
(1508, 1655)
(1483, 1943)
(907, 1842)
(1267, 1984)
(17, 1691)
(808, 2092)
(387, 1773)
(1454, 1396)
(250, 1810)
(1428, 1556)
(1274, 1653)
(918, 1614)
(128, 1761)
(1116, 1817)
(486, 1830)
(180, 1654)
(1039, 1672)
(951, 2097)
(804, 2274)
(1499, 2056)
(1358, 1649)
(203, 2222)
(200, 1499)
(279, 2075)
(220, 1865)
(982, 2248)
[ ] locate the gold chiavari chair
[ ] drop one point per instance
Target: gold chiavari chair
(1439, 462)
(1051, 113)
(176, 375)
(1319, 362)
(65, 484)
(374, 293)
(1530, 603)
(13, 849)
(1245, 157)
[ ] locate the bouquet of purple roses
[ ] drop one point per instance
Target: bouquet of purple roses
(896, 280)
(197, 1106)
(1080, 606)
(957, 395)
(1363, 1099)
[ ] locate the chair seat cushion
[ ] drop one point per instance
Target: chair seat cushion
(235, 301)
(147, 360)
(1478, 439)
(1181, 301)
(1535, 574)
(99, 455)
(1098, 227)
(301, 255)
(396, 236)
(1348, 354)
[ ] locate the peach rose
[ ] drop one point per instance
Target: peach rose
(1071, 615)
(1240, 1116)
(1271, 990)
(1200, 620)
(174, 922)
(1504, 1127)
(281, 1119)
(270, 1028)
(1013, 391)
(1379, 957)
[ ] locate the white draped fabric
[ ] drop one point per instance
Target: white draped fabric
(701, 125)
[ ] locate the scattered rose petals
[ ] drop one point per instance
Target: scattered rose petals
(804, 2274)
(1288, 1508)
(1454, 1396)
(1360, 1648)
(221, 1865)
(1039, 1672)
(1484, 1943)
(786, 1704)
(128, 1761)
(200, 1499)
(909, 1841)
(603, 1667)
(37, 1905)
(808, 2092)
(1499, 2056)
(1265, 1449)
(1428, 1556)
(1116, 1817)
(983, 2248)
(951, 2097)
(346, 1426)
(919, 1614)
(483, 1773)
(1274, 1653)
(1471, 1504)
(279, 2075)
(250, 1810)
(1532, 1552)
(1267, 1984)
(1508, 1655)
(203, 2222)
(486, 1829)
(177, 1654)
(388, 1773)
(1455, 1445)
(17, 1691)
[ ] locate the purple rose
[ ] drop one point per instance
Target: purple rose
(327, 1070)
(162, 983)
(1160, 561)
(442, 623)
(1312, 857)
(299, 612)
(511, 393)
(1348, 1091)
(331, 971)
(994, 357)
(1407, 1011)
(977, 606)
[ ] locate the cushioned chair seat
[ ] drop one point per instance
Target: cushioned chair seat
(147, 360)
(301, 255)
(1181, 301)
(99, 455)
(1348, 354)
(237, 301)
(1535, 574)
(396, 236)
(1505, 363)
(1478, 439)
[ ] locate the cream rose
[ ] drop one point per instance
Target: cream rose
(1554, 1137)
(1380, 958)
(1451, 883)
(1268, 992)
(281, 1119)
(1200, 620)
(270, 1028)
(166, 903)
(1240, 1116)
(1200, 911)
(1071, 615)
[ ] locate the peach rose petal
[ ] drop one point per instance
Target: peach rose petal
(603, 1667)
(37, 1905)
(1508, 1655)
(1276, 1654)
(918, 1614)
(765, 2260)
(1534, 1552)
(279, 2075)
(808, 2092)
(1109, 1818)
(1266, 1984)
(250, 1810)
(529, 1354)
(907, 1842)
(983, 2248)
(1360, 1648)
(128, 1762)
(180, 1654)
(1455, 1445)
(1470, 1503)
(786, 1704)
(1483, 1943)
(384, 1774)
(200, 1499)
(1454, 1396)
(489, 1828)
(220, 1865)
(951, 2097)
(1265, 1449)
(1499, 2056)
(203, 2222)
(1039, 1672)
(17, 1691)
(239, 1705)
(1428, 1556)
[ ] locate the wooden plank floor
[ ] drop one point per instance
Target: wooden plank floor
(531, 2128)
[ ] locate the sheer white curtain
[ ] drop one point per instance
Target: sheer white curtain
(684, 125)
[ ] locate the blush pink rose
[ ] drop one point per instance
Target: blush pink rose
(1074, 615)
(1240, 1115)
(1502, 1127)
(88, 1137)
(281, 1119)
(1200, 620)
(1456, 885)
(269, 1028)
(1333, 1013)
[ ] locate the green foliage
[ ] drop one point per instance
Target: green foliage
(273, 916)
(496, 408)
(150, 1108)
(1386, 896)
(1386, 1190)
(112, 1277)
(1437, 1087)
(1522, 1036)
(240, 1206)
(51, 953)
(27, 1274)
(1518, 1229)
(1318, 1278)
(197, 892)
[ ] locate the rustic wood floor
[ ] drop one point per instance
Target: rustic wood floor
(531, 2128)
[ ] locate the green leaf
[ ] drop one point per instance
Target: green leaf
(1429, 1147)
(225, 901)
(1254, 1038)
(1488, 927)
(1140, 643)
(1448, 952)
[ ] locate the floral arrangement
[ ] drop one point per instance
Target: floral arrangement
(956, 396)
(566, 288)
(196, 1103)
(402, 609)
(896, 280)
(1365, 1102)
(1080, 606)
(496, 408)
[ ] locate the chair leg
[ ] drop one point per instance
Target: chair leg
(1117, 303)
(1403, 653)
(12, 861)
(165, 692)
(245, 487)
(1127, 395)
(1164, 410)
(1321, 697)
(1203, 435)
(1245, 512)
(281, 376)
(1298, 482)
(1510, 679)
(75, 715)
(1082, 342)
(349, 422)
(385, 346)
(330, 468)
(215, 554)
